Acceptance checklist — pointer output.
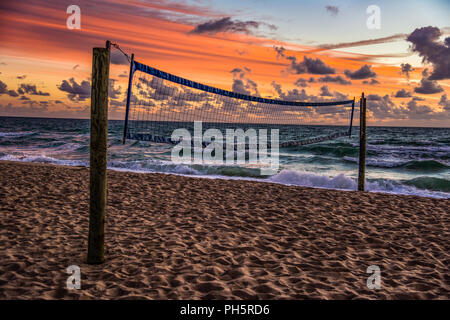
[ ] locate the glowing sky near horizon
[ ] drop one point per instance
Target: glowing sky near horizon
(37, 49)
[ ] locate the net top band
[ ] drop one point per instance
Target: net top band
(189, 83)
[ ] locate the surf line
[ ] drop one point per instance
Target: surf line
(197, 310)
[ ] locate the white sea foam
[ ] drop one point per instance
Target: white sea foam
(16, 134)
(286, 177)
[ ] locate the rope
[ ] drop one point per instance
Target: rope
(116, 45)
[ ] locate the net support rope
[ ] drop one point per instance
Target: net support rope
(162, 99)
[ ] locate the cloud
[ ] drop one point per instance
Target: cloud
(445, 102)
(382, 107)
(31, 89)
(75, 67)
(300, 82)
(292, 95)
(325, 92)
(425, 41)
(280, 51)
(332, 46)
(428, 86)
(242, 84)
(371, 82)
(117, 57)
(415, 111)
(4, 90)
(309, 65)
(333, 10)
(337, 79)
(406, 68)
(22, 77)
(402, 93)
(227, 25)
(75, 91)
(114, 92)
(362, 73)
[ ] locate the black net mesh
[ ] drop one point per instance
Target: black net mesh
(159, 106)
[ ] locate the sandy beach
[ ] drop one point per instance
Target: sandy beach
(175, 237)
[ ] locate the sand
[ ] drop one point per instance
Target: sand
(175, 237)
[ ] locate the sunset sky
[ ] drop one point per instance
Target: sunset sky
(276, 48)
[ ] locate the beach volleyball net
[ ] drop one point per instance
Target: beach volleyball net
(159, 102)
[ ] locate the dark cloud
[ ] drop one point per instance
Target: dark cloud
(325, 92)
(117, 57)
(309, 65)
(280, 51)
(300, 82)
(323, 47)
(33, 109)
(76, 91)
(31, 89)
(445, 102)
(371, 82)
(24, 98)
(406, 68)
(114, 92)
(382, 107)
(242, 83)
(362, 73)
(227, 25)
(4, 90)
(22, 77)
(415, 111)
(402, 93)
(239, 87)
(292, 95)
(337, 79)
(428, 86)
(333, 10)
(75, 67)
(425, 41)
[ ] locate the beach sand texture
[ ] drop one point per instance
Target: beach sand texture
(175, 237)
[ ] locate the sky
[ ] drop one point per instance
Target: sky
(286, 49)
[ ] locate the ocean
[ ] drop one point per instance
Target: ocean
(412, 161)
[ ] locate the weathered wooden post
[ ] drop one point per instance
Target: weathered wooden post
(98, 156)
(362, 143)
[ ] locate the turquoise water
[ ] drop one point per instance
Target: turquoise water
(399, 160)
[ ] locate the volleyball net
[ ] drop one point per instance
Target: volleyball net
(159, 102)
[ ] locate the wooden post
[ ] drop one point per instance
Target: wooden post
(98, 156)
(362, 144)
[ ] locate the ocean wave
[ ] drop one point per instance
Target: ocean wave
(412, 165)
(17, 134)
(43, 159)
(430, 183)
(339, 150)
(341, 182)
(422, 186)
